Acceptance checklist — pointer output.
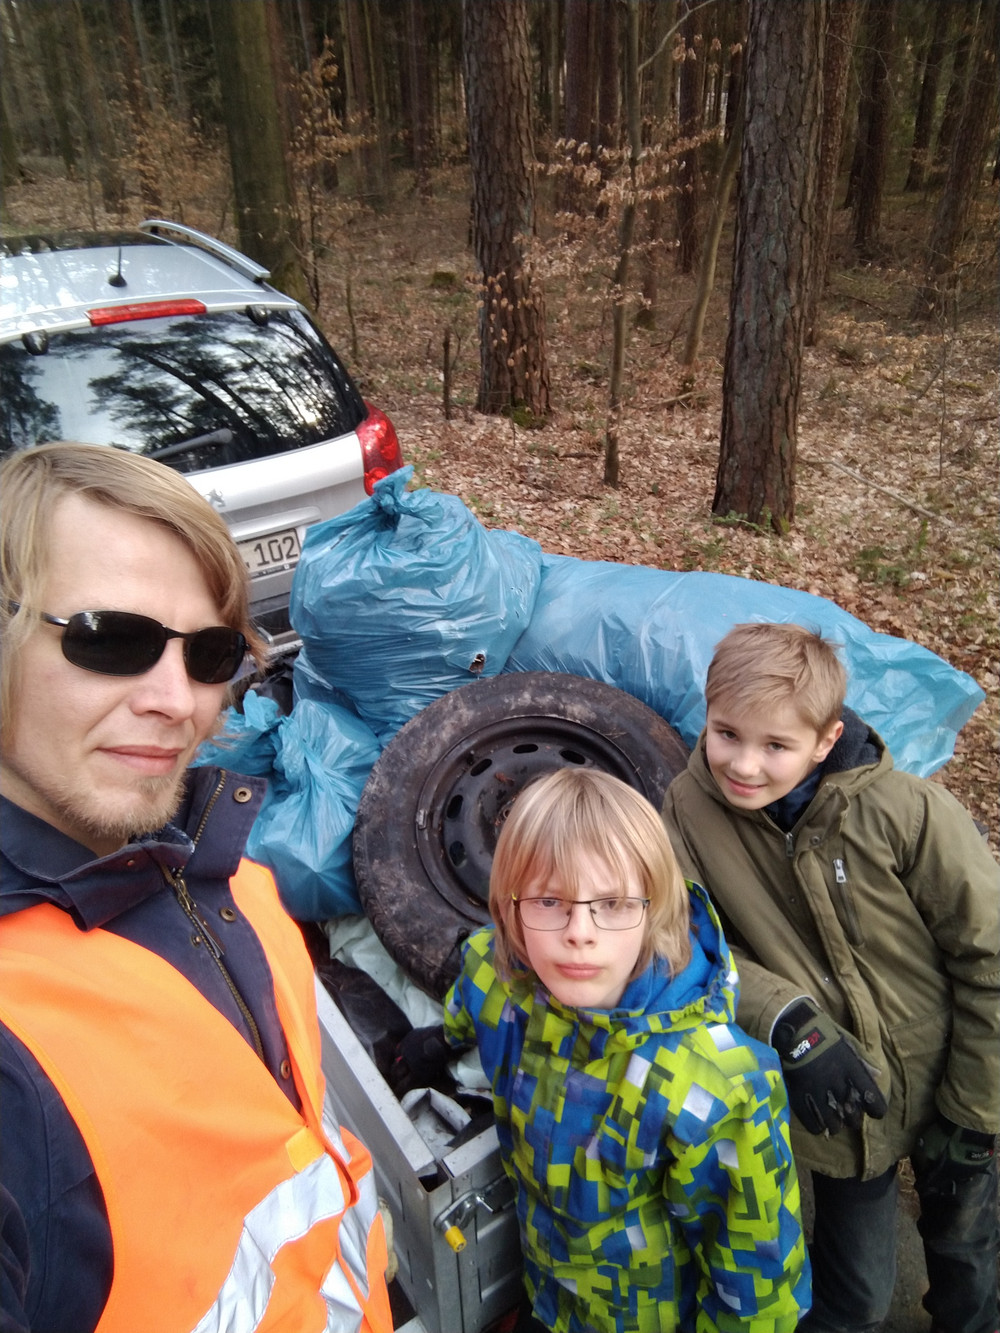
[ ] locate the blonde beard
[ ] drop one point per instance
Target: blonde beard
(155, 801)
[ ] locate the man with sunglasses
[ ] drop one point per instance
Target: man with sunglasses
(164, 1159)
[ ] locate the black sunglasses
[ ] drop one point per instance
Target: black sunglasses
(121, 643)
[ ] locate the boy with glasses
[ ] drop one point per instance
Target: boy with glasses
(165, 1160)
(864, 911)
(645, 1134)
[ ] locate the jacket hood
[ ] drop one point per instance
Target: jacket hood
(654, 1002)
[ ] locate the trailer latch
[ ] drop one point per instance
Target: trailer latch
(457, 1215)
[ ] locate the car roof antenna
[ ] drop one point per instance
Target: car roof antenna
(117, 279)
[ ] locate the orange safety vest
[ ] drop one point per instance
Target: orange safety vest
(230, 1212)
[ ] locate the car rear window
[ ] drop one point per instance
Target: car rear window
(196, 391)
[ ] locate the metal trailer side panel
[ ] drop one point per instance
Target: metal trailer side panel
(451, 1292)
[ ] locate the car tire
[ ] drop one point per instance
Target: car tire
(431, 811)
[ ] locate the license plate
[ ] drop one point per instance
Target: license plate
(269, 555)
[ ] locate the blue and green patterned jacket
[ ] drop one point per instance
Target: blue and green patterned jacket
(648, 1146)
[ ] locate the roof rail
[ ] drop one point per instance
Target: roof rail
(256, 272)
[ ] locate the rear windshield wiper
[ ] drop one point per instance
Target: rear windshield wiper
(222, 436)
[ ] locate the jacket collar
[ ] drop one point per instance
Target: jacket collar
(39, 864)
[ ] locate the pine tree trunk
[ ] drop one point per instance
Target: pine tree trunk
(265, 216)
(840, 34)
(775, 230)
(873, 127)
(513, 367)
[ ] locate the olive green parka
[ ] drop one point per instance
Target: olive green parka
(883, 904)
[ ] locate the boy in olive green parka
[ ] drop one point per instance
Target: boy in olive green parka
(863, 908)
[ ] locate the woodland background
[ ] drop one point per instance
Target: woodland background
(535, 229)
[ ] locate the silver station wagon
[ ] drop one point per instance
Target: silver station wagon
(166, 342)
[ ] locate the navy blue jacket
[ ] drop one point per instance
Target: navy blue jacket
(55, 1243)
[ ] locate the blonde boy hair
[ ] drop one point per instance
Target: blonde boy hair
(759, 667)
(577, 812)
(34, 481)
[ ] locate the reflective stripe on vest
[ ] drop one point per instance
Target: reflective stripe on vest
(226, 1206)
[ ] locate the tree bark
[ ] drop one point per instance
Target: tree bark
(513, 367)
(924, 121)
(626, 237)
(361, 103)
(939, 292)
(842, 27)
(419, 82)
(139, 104)
(775, 230)
(955, 97)
(873, 127)
(688, 182)
(664, 15)
(706, 268)
(581, 100)
(608, 96)
(265, 216)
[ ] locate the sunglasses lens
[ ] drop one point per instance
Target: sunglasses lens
(214, 656)
(120, 643)
(115, 643)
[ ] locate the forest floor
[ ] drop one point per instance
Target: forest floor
(898, 439)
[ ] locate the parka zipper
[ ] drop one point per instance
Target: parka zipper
(205, 931)
(847, 913)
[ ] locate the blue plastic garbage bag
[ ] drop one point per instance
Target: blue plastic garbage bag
(407, 596)
(317, 760)
(247, 741)
(303, 832)
(652, 632)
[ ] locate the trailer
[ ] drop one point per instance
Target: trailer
(455, 1233)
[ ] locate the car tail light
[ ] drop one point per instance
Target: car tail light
(121, 314)
(380, 451)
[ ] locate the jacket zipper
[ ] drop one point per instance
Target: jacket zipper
(847, 914)
(205, 931)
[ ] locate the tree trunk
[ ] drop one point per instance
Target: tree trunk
(10, 158)
(842, 27)
(664, 13)
(581, 99)
(954, 100)
(626, 236)
(513, 367)
(608, 98)
(940, 290)
(690, 126)
(265, 216)
(94, 109)
(419, 81)
(924, 121)
(706, 269)
(873, 127)
(360, 103)
(139, 105)
(776, 223)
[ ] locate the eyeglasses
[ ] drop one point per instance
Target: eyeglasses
(554, 913)
(121, 643)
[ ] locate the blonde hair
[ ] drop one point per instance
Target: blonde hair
(578, 812)
(762, 666)
(34, 481)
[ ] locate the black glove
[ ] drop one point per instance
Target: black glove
(829, 1084)
(946, 1155)
(421, 1059)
